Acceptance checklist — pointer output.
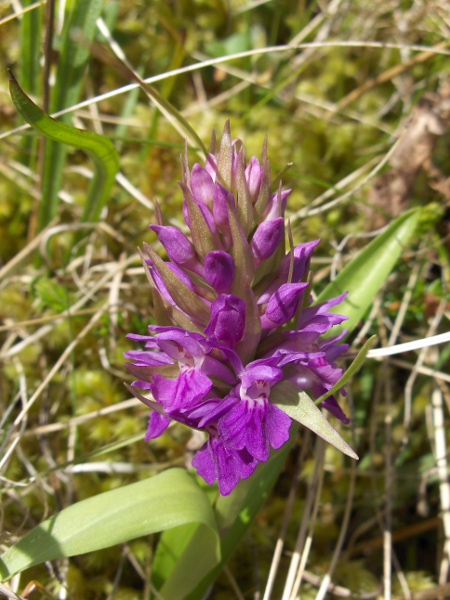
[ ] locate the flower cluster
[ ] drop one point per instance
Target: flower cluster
(234, 317)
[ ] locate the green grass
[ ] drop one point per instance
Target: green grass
(70, 290)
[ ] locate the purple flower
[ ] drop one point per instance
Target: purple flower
(235, 319)
(202, 186)
(252, 422)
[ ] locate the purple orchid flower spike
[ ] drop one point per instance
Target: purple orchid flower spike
(236, 318)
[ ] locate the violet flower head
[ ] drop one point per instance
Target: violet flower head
(234, 314)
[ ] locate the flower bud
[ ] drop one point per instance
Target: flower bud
(179, 249)
(283, 305)
(227, 320)
(219, 271)
(266, 239)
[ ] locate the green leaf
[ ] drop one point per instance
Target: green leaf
(365, 275)
(173, 542)
(171, 546)
(300, 407)
(99, 148)
(30, 48)
(167, 500)
(79, 30)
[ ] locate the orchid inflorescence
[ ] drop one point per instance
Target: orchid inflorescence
(234, 318)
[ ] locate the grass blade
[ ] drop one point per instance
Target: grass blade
(364, 276)
(69, 77)
(30, 69)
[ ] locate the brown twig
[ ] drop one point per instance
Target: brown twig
(388, 75)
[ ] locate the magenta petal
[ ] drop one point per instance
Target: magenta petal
(277, 205)
(216, 462)
(214, 368)
(220, 208)
(261, 371)
(202, 185)
(142, 385)
(333, 407)
(189, 388)
(302, 377)
(302, 257)
(255, 426)
(277, 425)
(141, 358)
(242, 428)
(211, 166)
(320, 314)
(157, 425)
(179, 344)
(222, 199)
(208, 412)
(253, 177)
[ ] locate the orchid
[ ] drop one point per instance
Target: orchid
(235, 318)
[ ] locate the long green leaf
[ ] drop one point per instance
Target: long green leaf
(173, 542)
(167, 500)
(99, 148)
(365, 275)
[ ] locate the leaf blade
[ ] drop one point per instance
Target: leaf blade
(100, 149)
(115, 517)
(304, 410)
(365, 275)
